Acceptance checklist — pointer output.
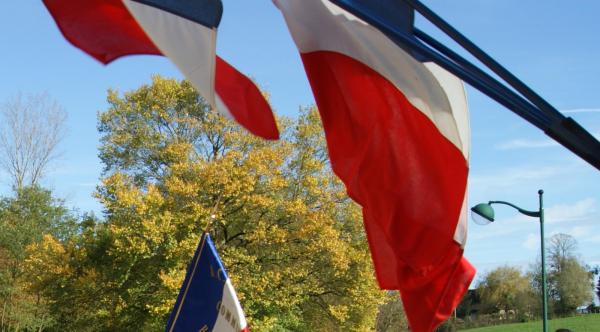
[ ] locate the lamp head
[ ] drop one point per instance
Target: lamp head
(482, 214)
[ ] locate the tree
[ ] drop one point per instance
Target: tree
(504, 288)
(391, 316)
(573, 284)
(291, 239)
(24, 219)
(569, 281)
(598, 289)
(595, 271)
(30, 130)
(561, 248)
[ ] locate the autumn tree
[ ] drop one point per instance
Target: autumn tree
(291, 239)
(504, 288)
(24, 219)
(569, 281)
(561, 247)
(31, 129)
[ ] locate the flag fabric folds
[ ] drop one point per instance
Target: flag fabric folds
(184, 31)
(207, 301)
(398, 137)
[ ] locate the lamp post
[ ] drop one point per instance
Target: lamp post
(483, 214)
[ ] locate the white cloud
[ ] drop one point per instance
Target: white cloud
(532, 242)
(575, 219)
(582, 110)
(578, 232)
(513, 176)
(521, 143)
(492, 234)
(525, 144)
(578, 211)
(594, 239)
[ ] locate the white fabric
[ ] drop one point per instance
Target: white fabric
(431, 89)
(222, 107)
(455, 90)
(191, 46)
(313, 30)
(457, 96)
(231, 317)
(460, 234)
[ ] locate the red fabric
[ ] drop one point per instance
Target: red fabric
(240, 94)
(409, 179)
(105, 30)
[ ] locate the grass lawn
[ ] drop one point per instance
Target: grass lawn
(583, 323)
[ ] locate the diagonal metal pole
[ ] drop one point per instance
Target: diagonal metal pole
(563, 129)
(511, 101)
(518, 100)
(535, 110)
(487, 60)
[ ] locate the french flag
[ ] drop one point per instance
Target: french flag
(207, 301)
(398, 137)
(184, 31)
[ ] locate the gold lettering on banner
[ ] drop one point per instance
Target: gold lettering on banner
(218, 274)
(228, 316)
(203, 329)
(218, 306)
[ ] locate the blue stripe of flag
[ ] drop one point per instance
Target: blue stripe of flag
(398, 12)
(205, 12)
(197, 305)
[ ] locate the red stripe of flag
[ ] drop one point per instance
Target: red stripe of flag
(409, 179)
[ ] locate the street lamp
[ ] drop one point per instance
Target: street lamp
(483, 214)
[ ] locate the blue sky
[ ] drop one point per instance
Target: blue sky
(553, 47)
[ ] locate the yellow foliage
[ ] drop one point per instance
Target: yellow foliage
(290, 238)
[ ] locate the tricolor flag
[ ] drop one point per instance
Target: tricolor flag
(206, 301)
(398, 137)
(182, 30)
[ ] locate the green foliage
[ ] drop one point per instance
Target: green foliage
(573, 285)
(24, 219)
(291, 239)
(504, 288)
(569, 281)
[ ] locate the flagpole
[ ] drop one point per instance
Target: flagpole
(480, 74)
(181, 297)
(563, 129)
(213, 215)
(487, 60)
(503, 96)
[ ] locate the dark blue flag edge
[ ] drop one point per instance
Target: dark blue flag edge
(205, 12)
(197, 304)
